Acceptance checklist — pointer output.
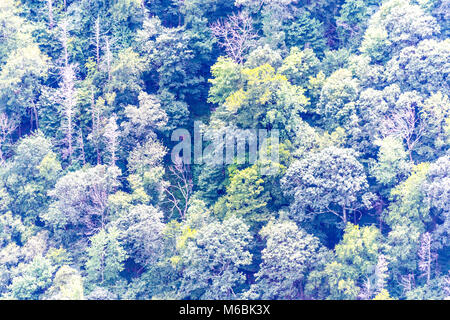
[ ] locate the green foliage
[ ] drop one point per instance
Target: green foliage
(245, 197)
(289, 256)
(212, 258)
(329, 181)
(142, 232)
(30, 176)
(392, 164)
(67, 285)
(433, 291)
(337, 99)
(126, 75)
(352, 20)
(395, 25)
(226, 76)
(355, 260)
(105, 257)
(32, 279)
(299, 66)
(408, 206)
(437, 192)
(408, 215)
(90, 198)
(414, 66)
(305, 31)
(79, 202)
(264, 99)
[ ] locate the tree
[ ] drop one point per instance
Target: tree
(329, 181)
(79, 204)
(372, 108)
(235, 34)
(67, 285)
(176, 59)
(179, 192)
(437, 193)
(425, 256)
(105, 257)
(299, 66)
(30, 175)
(352, 20)
(407, 215)
(432, 291)
(262, 55)
(146, 168)
(381, 274)
(69, 102)
(337, 99)
(356, 258)
(370, 75)
(394, 26)
(68, 94)
(98, 125)
(23, 66)
(226, 77)
(126, 73)
(273, 14)
(19, 82)
(423, 67)
(303, 30)
(435, 112)
(12, 228)
(112, 135)
(212, 260)
(146, 118)
(392, 165)
(264, 99)
(142, 233)
(404, 122)
(408, 205)
(289, 256)
(246, 197)
(33, 279)
(172, 56)
(16, 30)
(7, 127)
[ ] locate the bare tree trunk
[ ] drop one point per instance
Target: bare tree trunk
(31, 120)
(97, 41)
(64, 40)
(69, 113)
(81, 144)
(112, 135)
(108, 57)
(36, 117)
(50, 13)
(179, 193)
(344, 215)
(69, 104)
(425, 256)
(95, 113)
(407, 282)
(6, 128)
(68, 88)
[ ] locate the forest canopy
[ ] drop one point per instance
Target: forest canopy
(94, 206)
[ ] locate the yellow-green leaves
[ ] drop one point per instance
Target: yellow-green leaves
(408, 206)
(256, 97)
(235, 100)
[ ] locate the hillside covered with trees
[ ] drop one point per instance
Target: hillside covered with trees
(92, 206)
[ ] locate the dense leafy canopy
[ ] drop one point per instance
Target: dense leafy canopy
(92, 205)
